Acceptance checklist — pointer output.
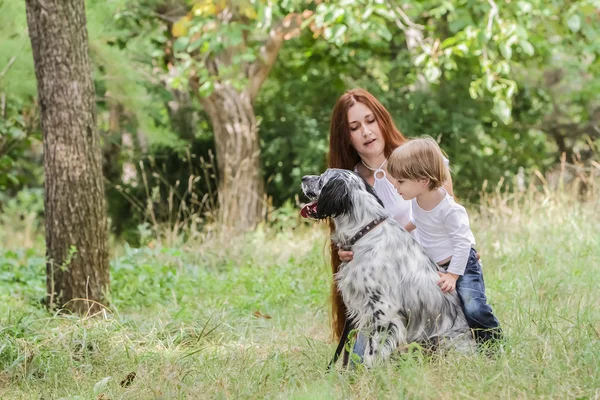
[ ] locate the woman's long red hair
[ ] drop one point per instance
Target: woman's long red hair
(342, 155)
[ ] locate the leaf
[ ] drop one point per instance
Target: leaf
(574, 23)
(12, 178)
(502, 110)
(100, 386)
(432, 73)
(195, 44)
(451, 41)
(248, 57)
(338, 15)
(181, 44)
(384, 32)
(525, 7)
(506, 50)
(258, 314)
(338, 34)
(16, 133)
(250, 12)
(206, 89)
(502, 67)
(460, 49)
(420, 59)
(180, 27)
(527, 47)
(205, 8)
(512, 87)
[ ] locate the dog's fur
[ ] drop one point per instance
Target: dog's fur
(390, 287)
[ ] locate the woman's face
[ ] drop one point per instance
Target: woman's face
(365, 135)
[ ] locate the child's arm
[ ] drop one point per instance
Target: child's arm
(459, 230)
(410, 227)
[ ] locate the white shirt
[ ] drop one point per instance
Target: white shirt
(395, 206)
(445, 232)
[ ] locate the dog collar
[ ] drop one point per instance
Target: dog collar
(366, 229)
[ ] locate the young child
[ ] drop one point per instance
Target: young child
(443, 229)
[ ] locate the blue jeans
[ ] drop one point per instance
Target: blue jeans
(359, 348)
(471, 290)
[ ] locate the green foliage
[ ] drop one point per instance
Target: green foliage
(502, 86)
(18, 165)
(293, 125)
(221, 41)
(17, 112)
(19, 79)
(480, 148)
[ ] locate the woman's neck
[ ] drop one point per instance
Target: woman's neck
(374, 161)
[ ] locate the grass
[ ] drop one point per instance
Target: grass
(248, 318)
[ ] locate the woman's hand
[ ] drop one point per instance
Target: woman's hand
(345, 255)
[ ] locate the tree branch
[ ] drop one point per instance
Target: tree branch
(412, 31)
(259, 69)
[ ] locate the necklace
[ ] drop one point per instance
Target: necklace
(376, 170)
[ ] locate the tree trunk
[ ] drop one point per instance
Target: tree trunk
(241, 187)
(74, 193)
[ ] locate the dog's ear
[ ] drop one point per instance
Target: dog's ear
(334, 199)
(372, 191)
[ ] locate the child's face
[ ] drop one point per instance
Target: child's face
(410, 189)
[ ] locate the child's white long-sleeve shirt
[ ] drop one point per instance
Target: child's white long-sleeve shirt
(445, 232)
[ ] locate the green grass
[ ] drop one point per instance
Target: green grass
(184, 319)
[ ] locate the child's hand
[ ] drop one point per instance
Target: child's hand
(447, 281)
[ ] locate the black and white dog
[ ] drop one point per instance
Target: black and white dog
(390, 287)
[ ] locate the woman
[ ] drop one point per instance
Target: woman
(362, 136)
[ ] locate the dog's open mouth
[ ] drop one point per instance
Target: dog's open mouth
(309, 210)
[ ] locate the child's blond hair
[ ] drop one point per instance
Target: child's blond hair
(419, 159)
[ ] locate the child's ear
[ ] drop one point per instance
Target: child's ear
(424, 182)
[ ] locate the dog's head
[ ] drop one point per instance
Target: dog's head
(333, 193)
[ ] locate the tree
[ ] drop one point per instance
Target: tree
(226, 80)
(76, 227)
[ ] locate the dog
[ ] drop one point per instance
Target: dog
(390, 286)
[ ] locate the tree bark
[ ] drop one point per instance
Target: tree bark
(74, 194)
(241, 186)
